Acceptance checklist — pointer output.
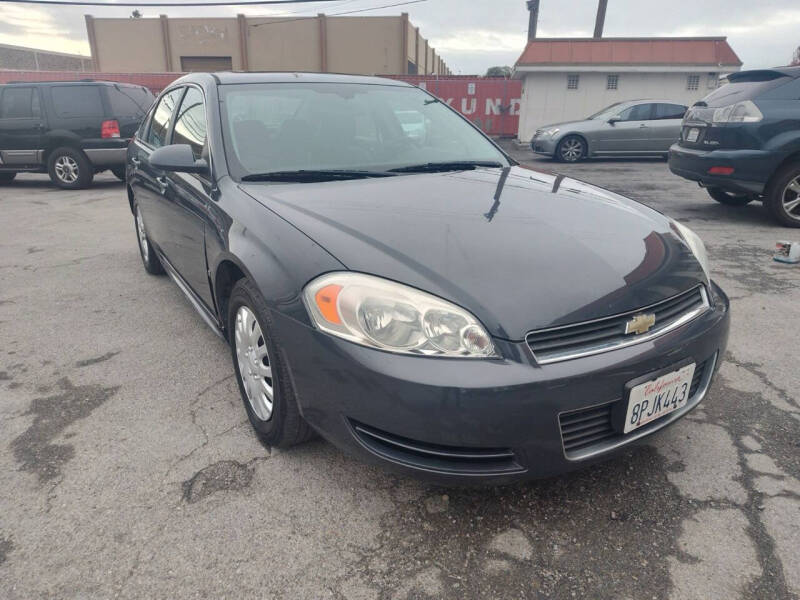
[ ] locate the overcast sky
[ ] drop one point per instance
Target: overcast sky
(472, 35)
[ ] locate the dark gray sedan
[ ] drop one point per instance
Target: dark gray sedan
(414, 295)
(632, 128)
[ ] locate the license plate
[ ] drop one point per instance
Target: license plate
(693, 134)
(658, 397)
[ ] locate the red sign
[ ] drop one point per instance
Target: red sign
(492, 103)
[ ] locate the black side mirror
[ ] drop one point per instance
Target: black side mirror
(179, 158)
(613, 120)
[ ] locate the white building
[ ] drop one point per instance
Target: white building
(567, 79)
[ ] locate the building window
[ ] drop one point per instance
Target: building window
(713, 81)
(572, 81)
(693, 82)
(612, 81)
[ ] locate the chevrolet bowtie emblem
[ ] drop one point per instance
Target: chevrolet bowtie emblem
(640, 323)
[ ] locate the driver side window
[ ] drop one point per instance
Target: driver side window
(159, 125)
(638, 112)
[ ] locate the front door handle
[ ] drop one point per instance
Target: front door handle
(163, 183)
(643, 125)
(135, 162)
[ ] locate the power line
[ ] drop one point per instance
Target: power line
(344, 12)
(140, 4)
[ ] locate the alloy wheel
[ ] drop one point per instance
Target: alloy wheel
(255, 368)
(571, 149)
(66, 169)
(143, 245)
(791, 198)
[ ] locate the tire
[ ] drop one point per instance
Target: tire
(783, 195)
(571, 149)
(7, 177)
(250, 326)
(729, 198)
(69, 169)
(119, 173)
(146, 251)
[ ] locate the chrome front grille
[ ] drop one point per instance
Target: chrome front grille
(609, 333)
(587, 430)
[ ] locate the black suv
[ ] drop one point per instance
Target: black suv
(742, 142)
(72, 130)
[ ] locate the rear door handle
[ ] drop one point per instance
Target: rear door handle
(643, 125)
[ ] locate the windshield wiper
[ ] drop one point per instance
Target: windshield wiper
(458, 165)
(314, 175)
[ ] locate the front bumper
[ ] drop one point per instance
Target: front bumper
(494, 421)
(752, 168)
(544, 145)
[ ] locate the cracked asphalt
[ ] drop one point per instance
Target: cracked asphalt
(128, 469)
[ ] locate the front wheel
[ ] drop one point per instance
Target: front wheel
(149, 259)
(783, 195)
(729, 198)
(69, 169)
(571, 149)
(264, 382)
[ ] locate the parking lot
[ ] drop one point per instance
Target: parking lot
(128, 468)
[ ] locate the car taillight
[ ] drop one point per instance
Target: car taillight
(741, 112)
(109, 129)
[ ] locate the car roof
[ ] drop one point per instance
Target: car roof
(238, 77)
(774, 72)
(79, 82)
(790, 71)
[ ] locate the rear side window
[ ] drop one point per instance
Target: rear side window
(669, 111)
(640, 112)
(129, 101)
(159, 125)
(190, 124)
(19, 103)
(77, 101)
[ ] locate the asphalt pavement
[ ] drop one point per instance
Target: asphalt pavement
(128, 469)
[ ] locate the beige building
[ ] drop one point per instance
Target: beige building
(362, 45)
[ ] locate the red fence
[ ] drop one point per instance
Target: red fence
(492, 103)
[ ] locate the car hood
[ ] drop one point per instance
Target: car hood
(520, 249)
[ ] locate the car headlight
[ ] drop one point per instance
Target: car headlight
(552, 132)
(695, 244)
(391, 316)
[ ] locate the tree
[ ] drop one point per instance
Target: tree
(796, 57)
(498, 72)
(136, 14)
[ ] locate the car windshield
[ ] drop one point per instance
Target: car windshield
(345, 127)
(608, 111)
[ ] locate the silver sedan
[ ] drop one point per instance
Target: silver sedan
(632, 128)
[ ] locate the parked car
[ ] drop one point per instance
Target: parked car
(424, 302)
(70, 130)
(632, 128)
(742, 142)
